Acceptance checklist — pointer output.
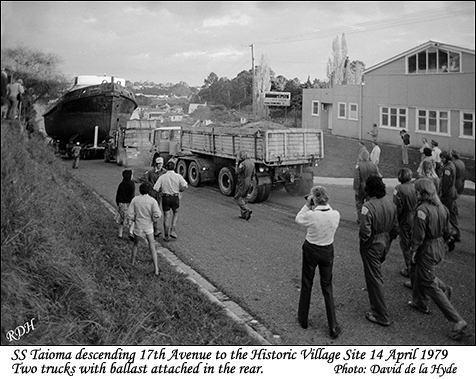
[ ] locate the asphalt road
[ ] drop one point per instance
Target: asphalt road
(258, 265)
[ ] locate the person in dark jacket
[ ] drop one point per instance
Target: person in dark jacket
(245, 170)
(363, 170)
(430, 231)
(151, 176)
(460, 171)
(449, 194)
(378, 228)
(124, 195)
(404, 197)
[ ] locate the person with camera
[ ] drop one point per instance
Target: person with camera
(321, 222)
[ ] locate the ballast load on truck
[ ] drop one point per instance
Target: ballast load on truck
(283, 157)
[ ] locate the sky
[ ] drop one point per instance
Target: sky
(169, 42)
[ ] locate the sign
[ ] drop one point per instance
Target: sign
(277, 99)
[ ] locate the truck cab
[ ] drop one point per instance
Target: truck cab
(166, 142)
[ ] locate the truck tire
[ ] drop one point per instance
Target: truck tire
(227, 181)
(194, 174)
(294, 188)
(306, 185)
(259, 193)
(182, 168)
(299, 187)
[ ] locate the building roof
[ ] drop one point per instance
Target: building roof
(418, 48)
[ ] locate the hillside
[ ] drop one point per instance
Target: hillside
(64, 268)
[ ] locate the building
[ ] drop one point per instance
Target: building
(428, 90)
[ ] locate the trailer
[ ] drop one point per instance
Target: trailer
(283, 157)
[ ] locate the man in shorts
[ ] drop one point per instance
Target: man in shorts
(171, 185)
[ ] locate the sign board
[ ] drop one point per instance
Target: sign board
(277, 99)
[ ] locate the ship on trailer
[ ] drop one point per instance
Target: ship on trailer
(89, 113)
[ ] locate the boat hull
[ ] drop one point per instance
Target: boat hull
(75, 116)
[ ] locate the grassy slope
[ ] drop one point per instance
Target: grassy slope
(63, 265)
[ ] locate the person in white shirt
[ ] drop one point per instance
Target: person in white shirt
(171, 185)
(318, 250)
(375, 154)
(144, 211)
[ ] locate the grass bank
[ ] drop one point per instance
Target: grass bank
(63, 266)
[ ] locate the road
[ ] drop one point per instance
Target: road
(258, 265)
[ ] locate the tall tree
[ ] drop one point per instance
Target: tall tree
(263, 84)
(335, 66)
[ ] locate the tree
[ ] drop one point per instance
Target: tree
(340, 70)
(212, 78)
(263, 84)
(41, 77)
(39, 72)
(241, 88)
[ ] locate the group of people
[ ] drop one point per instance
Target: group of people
(11, 94)
(160, 192)
(423, 213)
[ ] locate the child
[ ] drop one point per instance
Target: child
(124, 195)
(144, 211)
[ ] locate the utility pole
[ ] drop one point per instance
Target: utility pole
(254, 82)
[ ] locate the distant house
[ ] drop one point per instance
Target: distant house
(428, 90)
(193, 107)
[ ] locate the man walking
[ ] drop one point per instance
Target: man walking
(405, 143)
(245, 170)
(363, 170)
(449, 194)
(171, 185)
(76, 151)
(15, 92)
(430, 230)
(375, 154)
(151, 176)
(378, 228)
(404, 197)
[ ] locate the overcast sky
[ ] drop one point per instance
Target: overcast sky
(186, 41)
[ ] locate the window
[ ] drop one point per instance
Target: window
(433, 121)
(393, 117)
(315, 108)
(433, 60)
(342, 110)
(353, 114)
(467, 124)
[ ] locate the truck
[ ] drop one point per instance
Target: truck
(283, 157)
(134, 144)
(130, 145)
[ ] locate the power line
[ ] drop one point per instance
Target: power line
(422, 16)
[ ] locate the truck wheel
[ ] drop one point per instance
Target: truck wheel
(293, 188)
(264, 191)
(182, 168)
(259, 193)
(305, 186)
(193, 174)
(227, 181)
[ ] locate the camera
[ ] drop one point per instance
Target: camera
(312, 200)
